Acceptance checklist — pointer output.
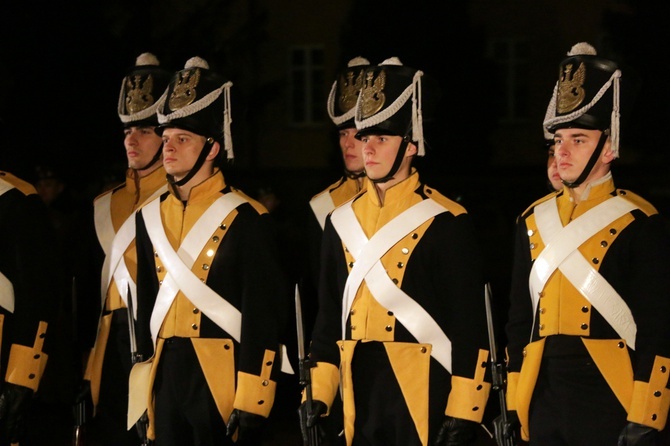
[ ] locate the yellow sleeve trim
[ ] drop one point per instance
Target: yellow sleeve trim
(651, 400)
(26, 364)
(468, 397)
(325, 383)
(256, 394)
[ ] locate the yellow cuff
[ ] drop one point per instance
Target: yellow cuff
(468, 396)
(256, 394)
(651, 400)
(325, 382)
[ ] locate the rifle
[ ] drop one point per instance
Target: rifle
(136, 357)
(304, 365)
(498, 383)
(79, 430)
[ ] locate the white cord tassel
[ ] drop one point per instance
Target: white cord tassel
(417, 114)
(615, 115)
(227, 121)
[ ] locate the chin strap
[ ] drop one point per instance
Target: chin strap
(589, 166)
(196, 167)
(396, 164)
(154, 160)
(354, 175)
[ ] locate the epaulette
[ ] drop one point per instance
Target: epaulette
(452, 206)
(110, 191)
(547, 197)
(23, 186)
(640, 202)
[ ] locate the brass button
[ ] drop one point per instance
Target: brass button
(194, 326)
(31, 376)
(405, 251)
(595, 260)
(222, 226)
(479, 387)
(657, 393)
(351, 264)
(37, 356)
(585, 309)
(531, 233)
(389, 328)
(543, 310)
(653, 417)
(205, 266)
(265, 383)
(353, 327)
(353, 311)
(620, 344)
(210, 252)
(159, 269)
(663, 369)
(612, 231)
(226, 347)
(423, 350)
(400, 265)
(395, 281)
(475, 409)
(532, 246)
(390, 313)
(584, 326)
(603, 244)
(415, 236)
(196, 311)
(541, 327)
(215, 239)
(261, 402)
(268, 363)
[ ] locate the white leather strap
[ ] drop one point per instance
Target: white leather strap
(561, 251)
(179, 264)
(368, 267)
(321, 205)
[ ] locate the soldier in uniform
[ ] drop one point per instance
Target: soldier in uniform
(401, 318)
(28, 301)
(103, 293)
(589, 319)
(341, 107)
(211, 288)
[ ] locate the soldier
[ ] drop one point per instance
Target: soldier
(589, 320)
(211, 288)
(554, 181)
(28, 301)
(401, 317)
(103, 293)
(341, 108)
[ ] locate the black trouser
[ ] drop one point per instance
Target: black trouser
(185, 411)
(109, 427)
(382, 416)
(572, 405)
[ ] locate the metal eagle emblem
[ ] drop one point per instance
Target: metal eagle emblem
(138, 93)
(372, 94)
(184, 90)
(349, 89)
(570, 88)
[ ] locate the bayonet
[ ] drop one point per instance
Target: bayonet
(305, 365)
(497, 377)
(136, 357)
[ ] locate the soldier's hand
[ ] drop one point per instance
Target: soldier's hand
(505, 431)
(312, 420)
(249, 425)
(83, 403)
(456, 432)
(635, 434)
(14, 404)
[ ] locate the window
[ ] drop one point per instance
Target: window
(307, 96)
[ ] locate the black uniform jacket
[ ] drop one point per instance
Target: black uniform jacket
(28, 260)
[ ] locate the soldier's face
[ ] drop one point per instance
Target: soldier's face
(352, 150)
(181, 149)
(141, 145)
